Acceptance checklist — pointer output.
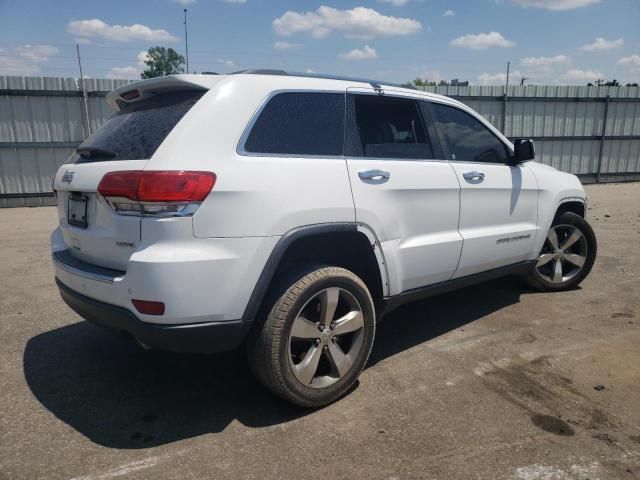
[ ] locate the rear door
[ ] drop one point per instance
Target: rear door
(499, 202)
(92, 231)
(403, 188)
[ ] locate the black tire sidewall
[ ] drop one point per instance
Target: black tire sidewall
(309, 396)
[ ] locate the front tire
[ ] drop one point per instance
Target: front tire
(316, 339)
(567, 255)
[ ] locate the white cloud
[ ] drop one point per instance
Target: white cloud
(228, 63)
(602, 44)
(545, 61)
(184, 3)
(128, 73)
(630, 61)
(482, 41)
(449, 13)
(555, 4)
(235, 1)
(142, 57)
(544, 69)
(25, 59)
(360, 22)
(498, 78)
(397, 3)
(286, 45)
(36, 53)
(82, 41)
(431, 75)
(120, 33)
(365, 53)
(575, 76)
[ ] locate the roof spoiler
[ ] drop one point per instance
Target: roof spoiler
(137, 91)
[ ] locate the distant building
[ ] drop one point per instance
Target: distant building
(456, 83)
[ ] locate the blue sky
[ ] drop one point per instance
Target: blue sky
(547, 41)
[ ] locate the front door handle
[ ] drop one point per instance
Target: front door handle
(477, 176)
(374, 175)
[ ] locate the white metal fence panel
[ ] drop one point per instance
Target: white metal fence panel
(42, 119)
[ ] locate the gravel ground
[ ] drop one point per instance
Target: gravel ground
(489, 382)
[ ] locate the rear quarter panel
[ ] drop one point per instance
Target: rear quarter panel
(253, 195)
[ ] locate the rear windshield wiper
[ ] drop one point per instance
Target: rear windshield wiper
(94, 153)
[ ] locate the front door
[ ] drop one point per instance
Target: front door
(402, 187)
(498, 202)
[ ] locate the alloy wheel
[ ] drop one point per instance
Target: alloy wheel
(563, 255)
(326, 337)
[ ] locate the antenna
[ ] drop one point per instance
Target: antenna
(522, 80)
(186, 39)
(84, 95)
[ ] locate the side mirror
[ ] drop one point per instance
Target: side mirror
(523, 150)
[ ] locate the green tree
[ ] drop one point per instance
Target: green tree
(162, 61)
(419, 82)
(604, 83)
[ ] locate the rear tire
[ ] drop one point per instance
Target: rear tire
(316, 339)
(567, 255)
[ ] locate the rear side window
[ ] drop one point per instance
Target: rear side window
(299, 123)
(391, 128)
(138, 129)
(468, 139)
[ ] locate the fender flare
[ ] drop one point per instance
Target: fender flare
(270, 267)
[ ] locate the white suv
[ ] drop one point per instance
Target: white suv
(290, 212)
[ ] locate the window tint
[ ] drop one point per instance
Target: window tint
(390, 128)
(138, 129)
(467, 138)
(299, 123)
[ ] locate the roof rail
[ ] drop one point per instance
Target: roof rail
(323, 76)
(261, 71)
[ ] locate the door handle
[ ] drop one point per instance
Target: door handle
(374, 175)
(473, 175)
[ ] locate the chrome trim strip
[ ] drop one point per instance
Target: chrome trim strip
(58, 261)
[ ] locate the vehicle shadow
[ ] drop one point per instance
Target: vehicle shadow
(120, 396)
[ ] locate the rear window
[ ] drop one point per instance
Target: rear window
(138, 129)
(299, 123)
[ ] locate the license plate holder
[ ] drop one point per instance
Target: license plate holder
(77, 210)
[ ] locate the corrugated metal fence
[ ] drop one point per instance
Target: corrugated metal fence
(42, 120)
(591, 131)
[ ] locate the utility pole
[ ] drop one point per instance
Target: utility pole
(506, 87)
(87, 129)
(186, 39)
(504, 103)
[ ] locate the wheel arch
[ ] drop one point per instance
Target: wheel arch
(573, 205)
(349, 245)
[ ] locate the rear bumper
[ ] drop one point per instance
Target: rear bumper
(198, 280)
(208, 337)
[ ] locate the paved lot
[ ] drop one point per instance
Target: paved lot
(488, 382)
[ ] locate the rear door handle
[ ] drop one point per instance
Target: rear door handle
(473, 175)
(374, 175)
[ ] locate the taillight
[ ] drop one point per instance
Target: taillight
(164, 193)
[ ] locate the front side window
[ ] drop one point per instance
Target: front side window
(391, 128)
(468, 139)
(299, 123)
